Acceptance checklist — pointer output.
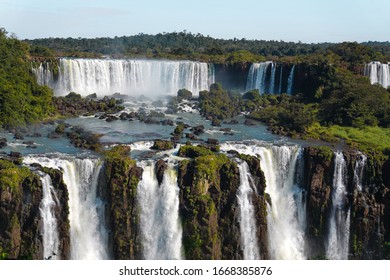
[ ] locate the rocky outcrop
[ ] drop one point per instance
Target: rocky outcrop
(208, 207)
(121, 179)
(20, 197)
(368, 208)
(318, 180)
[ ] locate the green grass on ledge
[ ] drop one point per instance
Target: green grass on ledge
(366, 139)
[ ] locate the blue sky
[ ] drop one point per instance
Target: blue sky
(294, 20)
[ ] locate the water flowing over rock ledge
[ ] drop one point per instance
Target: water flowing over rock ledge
(249, 201)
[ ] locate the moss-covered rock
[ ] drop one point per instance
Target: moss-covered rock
(121, 179)
(318, 180)
(194, 151)
(20, 197)
(162, 145)
(208, 206)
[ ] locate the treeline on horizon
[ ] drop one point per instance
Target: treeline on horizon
(186, 45)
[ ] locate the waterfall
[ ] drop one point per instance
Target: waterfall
(44, 74)
(338, 237)
(257, 76)
(272, 79)
(247, 215)
(358, 172)
(286, 221)
(129, 77)
(378, 73)
(290, 81)
(285, 231)
(159, 218)
(280, 79)
(50, 228)
(88, 233)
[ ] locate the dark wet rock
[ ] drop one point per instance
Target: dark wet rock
(18, 136)
(162, 145)
(151, 121)
(199, 129)
(167, 122)
(3, 142)
(249, 122)
(111, 118)
(161, 166)
(91, 96)
(28, 142)
(233, 122)
(15, 154)
(212, 141)
(216, 122)
(60, 128)
(124, 116)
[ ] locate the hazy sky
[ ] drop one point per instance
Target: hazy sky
(288, 20)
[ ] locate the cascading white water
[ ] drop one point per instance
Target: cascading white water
(379, 73)
(129, 77)
(248, 228)
(290, 81)
(88, 234)
(285, 230)
(281, 79)
(338, 239)
(272, 79)
(257, 76)
(44, 74)
(50, 227)
(358, 172)
(159, 214)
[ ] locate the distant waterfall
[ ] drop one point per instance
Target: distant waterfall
(286, 220)
(290, 81)
(159, 215)
(270, 77)
(338, 239)
(50, 227)
(88, 234)
(358, 172)
(257, 76)
(378, 73)
(247, 215)
(129, 77)
(281, 80)
(44, 74)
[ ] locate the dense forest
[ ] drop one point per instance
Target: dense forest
(179, 45)
(22, 100)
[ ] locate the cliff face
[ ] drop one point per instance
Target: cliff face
(232, 76)
(209, 207)
(318, 180)
(20, 197)
(121, 179)
(368, 203)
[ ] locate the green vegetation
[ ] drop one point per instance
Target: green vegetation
(162, 145)
(12, 176)
(22, 100)
(218, 103)
(193, 151)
